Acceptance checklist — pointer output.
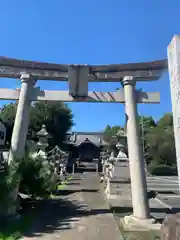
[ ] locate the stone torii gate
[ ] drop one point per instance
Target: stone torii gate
(78, 77)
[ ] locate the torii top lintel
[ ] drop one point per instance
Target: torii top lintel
(13, 68)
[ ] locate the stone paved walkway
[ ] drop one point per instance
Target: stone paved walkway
(80, 212)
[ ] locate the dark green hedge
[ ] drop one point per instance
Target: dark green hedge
(162, 170)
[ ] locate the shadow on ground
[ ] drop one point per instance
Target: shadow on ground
(68, 192)
(85, 169)
(54, 215)
(39, 217)
(73, 183)
(126, 211)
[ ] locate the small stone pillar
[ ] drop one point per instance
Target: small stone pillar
(112, 155)
(21, 123)
(170, 228)
(136, 161)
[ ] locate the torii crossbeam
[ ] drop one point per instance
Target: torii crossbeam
(13, 68)
(63, 96)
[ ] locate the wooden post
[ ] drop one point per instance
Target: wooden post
(97, 168)
(73, 169)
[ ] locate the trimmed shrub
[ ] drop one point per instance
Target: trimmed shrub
(162, 170)
(37, 178)
(9, 180)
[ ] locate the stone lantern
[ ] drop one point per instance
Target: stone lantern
(122, 144)
(121, 153)
(121, 137)
(119, 146)
(42, 144)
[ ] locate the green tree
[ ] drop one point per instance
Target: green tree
(166, 120)
(56, 116)
(110, 136)
(110, 132)
(157, 139)
(7, 115)
(160, 142)
(145, 124)
(161, 146)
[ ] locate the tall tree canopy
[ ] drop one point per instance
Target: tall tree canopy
(166, 120)
(110, 132)
(161, 146)
(7, 115)
(110, 136)
(160, 141)
(145, 123)
(56, 116)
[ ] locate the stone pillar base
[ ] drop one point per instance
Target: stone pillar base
(133, 222)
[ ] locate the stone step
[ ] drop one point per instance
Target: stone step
(119, 179)
(118, 191)
(119, 184)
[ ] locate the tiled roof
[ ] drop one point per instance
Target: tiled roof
(94, 137)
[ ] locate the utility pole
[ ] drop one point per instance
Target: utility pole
(142, 133)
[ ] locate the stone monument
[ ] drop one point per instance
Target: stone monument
(174, 74)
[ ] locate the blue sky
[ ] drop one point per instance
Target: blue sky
(91, 32)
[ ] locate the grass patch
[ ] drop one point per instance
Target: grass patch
(64, 183)
(52, 196)
(61, 186)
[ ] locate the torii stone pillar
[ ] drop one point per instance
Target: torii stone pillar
(21, 123)
(174, 74)
(136, 161)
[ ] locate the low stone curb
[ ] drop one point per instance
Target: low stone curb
(121, 237)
